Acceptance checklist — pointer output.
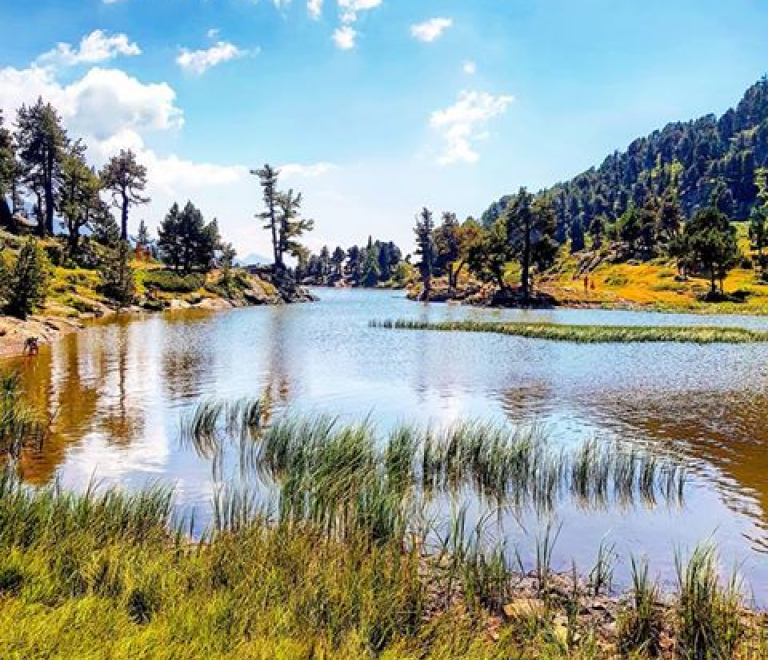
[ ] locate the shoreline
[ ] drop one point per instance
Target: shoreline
(48, 328)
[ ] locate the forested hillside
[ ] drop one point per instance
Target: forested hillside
(689, 160)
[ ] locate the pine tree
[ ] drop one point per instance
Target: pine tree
(78, 194)
(185, 241)
(268, 180)
(42, 144)
(126, 178)
(371, 270)
(425, 248)
(28, 280)
(712, 242)
(531, 226)
(338, 258)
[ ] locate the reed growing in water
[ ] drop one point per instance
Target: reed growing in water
(316, 464)
(586, 334)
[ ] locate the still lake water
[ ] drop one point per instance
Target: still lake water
(120, 389)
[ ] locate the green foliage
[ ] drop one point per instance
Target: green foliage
(589, 334)
(425, 248)
(41, 145)
(709, 615)
(172, 282)
(711, 239)
(185, 241)
(78, 194)
(640, 624)
(118, 278)
(690, 161)
(530, 227)
(20, 425)
(126, 179)
(27, 281)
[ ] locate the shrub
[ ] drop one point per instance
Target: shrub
(117, 275)
(167, 280)
(27, 281)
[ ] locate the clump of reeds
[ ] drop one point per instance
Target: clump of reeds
(640, 623)
(709, 614)
(321, 467)
(587, 334)
(20, 425)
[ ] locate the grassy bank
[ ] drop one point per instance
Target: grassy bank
(588, 334)
(339, 558)
(110, 575)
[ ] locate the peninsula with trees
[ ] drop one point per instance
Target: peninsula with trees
(67, 252)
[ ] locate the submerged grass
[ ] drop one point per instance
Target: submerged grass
(587, 334)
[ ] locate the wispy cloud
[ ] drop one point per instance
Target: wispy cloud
(431, 30)
(464, 123)
(469, 67)
(98, 46)
(199, 61)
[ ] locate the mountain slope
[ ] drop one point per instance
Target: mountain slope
(694, 157)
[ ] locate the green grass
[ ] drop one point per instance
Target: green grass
(588, 334)
(337, 557)
(319, 465)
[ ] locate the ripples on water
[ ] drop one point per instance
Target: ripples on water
(120, 389)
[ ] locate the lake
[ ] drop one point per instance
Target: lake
(120, 389)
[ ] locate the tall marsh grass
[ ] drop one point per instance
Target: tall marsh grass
(586, 334)
(328, 471)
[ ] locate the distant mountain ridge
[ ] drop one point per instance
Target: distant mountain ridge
(694, 157)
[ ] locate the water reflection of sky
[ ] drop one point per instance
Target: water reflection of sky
(119, 390)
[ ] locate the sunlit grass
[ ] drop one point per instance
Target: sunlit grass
(587, 334)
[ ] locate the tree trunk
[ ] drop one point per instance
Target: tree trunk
(525, 276)
(6, 216)
(124, 219)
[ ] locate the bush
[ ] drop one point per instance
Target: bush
(167, 280)
(27, 281)
(118, 281)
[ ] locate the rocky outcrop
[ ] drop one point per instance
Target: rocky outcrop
(286, 288)
(15, 332)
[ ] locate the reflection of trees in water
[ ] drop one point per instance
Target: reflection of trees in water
(721, 435)
(55, 382)
(277, 388)
(187, 355)
(87, 383)
(120, 414)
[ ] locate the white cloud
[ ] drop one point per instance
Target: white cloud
(312, 171)
(344, 37)
(469, 67)
(199, 61)
(99, 105)
(350, 8)
(213, 33)
(463, 123)
(315, 8)
(98, 46)
(431, 30)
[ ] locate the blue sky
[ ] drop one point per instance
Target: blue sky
(373, 107)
